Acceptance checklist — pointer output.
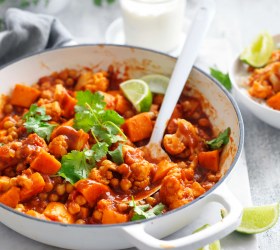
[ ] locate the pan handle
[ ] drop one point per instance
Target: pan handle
(137, 235)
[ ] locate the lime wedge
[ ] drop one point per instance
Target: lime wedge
(259, 52)
(258, 219)
(157, 83)
(138, 93)
(214, 245)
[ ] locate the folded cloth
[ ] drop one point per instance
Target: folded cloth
(28, 33)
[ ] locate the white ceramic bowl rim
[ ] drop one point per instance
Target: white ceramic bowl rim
(247, 96)
(236, 157)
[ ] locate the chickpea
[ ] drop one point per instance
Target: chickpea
(97, 215)
(53, 197)
(84, 213)
(14, 134)
(122, 207)
(69, 82)
(114, 182)
(80, 200)
(74, 208)
(60, 189)
(8, 108)
(204, 122)
(69, 188)
(8, 124)
(48, 187)
(125, 184)
(150, 200)
(43, 196)
(80, 221)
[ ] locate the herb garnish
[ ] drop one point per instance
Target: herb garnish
(221, 77)
(221, 140)
(104, 126)
(142, 212)
(36, 121)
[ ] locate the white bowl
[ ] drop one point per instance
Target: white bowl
(238, 75)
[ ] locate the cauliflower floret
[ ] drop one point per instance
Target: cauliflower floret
(58, 146)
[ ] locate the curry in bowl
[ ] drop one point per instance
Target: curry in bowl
(71, 151)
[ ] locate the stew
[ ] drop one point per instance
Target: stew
(71, 151)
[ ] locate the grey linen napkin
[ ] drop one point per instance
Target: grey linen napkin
(28, 33)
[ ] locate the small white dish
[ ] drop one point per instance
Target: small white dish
(115, 35)
(238, 75)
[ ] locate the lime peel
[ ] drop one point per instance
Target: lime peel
(258, 219)
(259, 52)
(157, 83)
(138, 93)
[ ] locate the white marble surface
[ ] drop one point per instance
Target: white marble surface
(237, 21)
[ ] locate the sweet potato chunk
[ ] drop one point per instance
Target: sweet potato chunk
(24, 96)
(37, 186)
(162, 169)
(91, 190)
(209, 160)
(45, 163)
(56, 211)
(10, 197)
(113, 217)
(138, 127)
(66, 101)
(274, 101)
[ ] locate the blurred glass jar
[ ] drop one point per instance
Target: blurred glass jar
(154, 24)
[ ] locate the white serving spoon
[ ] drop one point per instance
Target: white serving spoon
(184, 64)
(153, 150)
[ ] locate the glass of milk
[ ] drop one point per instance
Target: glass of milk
(153, 24)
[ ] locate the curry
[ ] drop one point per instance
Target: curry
(71, 151)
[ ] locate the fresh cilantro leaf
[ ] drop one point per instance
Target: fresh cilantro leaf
(141, 212)
(221, 140)
(36, 121)
(99, 150)
(84, 120)
(94, 100)
(221, 77)
(112, 116)
(117, 155)
(74, 166)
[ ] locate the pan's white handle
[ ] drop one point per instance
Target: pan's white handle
(142, 240)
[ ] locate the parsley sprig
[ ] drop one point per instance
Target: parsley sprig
(142, 212)
(36, 121)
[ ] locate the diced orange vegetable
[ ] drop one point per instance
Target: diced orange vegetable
(274, 101)
(162, 169)
(24, 96)
(91, 190)
(37, 215)
(66, 101)
(122, 104)
(197, 189)
(56, 211)
(45, 163)
(138, 127)
(37, 186)
(209, 160)
(4, 183)
(76, 139)
(3, 101)
(11, 197)
(113, 217)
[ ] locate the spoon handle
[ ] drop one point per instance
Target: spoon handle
(183, 66)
